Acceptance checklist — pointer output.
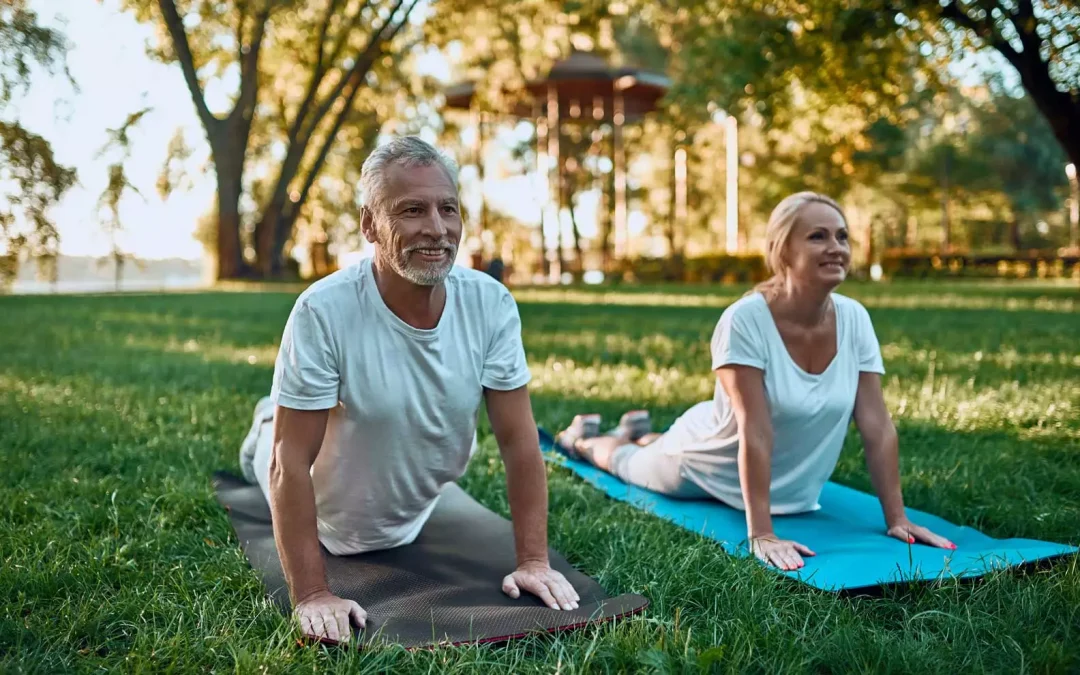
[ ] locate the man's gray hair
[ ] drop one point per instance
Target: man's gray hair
(407, 151)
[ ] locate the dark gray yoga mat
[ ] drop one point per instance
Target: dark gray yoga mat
(443, 589)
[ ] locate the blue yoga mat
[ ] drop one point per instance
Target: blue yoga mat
(847, 534)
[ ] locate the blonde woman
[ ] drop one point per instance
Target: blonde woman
(795, 361)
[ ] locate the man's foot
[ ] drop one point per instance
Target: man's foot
(633, 425)
(583, 426)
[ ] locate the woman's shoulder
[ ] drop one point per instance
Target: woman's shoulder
(746, 308)
(850, 310)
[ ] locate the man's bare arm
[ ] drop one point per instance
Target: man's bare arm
(298, 436)
(510, 413)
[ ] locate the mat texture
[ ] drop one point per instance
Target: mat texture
(847, 534)
(444, 588)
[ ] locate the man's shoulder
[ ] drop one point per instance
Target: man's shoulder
(477, 285)
(333, 289)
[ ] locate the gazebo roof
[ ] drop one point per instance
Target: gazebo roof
(582, 78)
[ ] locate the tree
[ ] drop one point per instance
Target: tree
(323, 55)
(759, 55)
(1040, 38)
(118, 183)
(27, 163)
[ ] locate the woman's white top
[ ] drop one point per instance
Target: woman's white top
(810, 413)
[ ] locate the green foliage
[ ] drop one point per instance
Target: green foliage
(317, 83)
(33, 181)
(118, 410)
(108, 205)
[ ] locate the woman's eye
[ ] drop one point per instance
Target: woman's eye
(816, 235)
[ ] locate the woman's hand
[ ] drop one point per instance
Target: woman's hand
(782, 553)
(907, 531)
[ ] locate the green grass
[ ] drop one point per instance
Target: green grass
(115, 411)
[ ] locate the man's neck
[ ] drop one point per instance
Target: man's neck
(419, 306)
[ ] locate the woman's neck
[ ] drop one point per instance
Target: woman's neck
(803, 305)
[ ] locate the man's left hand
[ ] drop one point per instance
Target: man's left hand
(547, 584)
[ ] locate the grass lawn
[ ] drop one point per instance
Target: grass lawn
(116, 410)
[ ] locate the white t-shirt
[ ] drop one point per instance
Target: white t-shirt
(403, 402)
(810, 413)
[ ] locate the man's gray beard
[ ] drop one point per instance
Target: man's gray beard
(424, 274)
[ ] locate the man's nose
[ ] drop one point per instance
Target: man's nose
(437, 226)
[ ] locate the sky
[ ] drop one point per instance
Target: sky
(115, 77)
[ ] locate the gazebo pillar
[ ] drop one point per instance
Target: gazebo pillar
(543, 176)
(618, 119)
(556, 181)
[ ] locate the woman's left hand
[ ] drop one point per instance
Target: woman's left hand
(909, 532)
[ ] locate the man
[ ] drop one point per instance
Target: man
(376, 394)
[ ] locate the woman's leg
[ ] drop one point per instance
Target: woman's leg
(648, 438)
(598, 450)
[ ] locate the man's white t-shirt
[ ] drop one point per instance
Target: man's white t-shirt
(810, 413)
(404, 402)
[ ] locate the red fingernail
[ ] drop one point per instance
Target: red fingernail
(911, 540)
(952, 546)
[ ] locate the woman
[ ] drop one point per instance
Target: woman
(794, 363)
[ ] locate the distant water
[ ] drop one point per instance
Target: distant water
(100, 286)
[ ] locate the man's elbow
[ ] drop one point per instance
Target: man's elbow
(285, 468)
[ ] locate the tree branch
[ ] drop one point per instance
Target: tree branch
(362, 63)
(175, 26)
(320, 62)
(344, 40)
(241, 10)
(1025, 25)
(249, 69)
(339, 122)
(320, 71)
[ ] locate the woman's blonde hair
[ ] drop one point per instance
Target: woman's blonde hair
(778, 232)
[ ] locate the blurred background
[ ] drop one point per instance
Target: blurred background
(150, 144)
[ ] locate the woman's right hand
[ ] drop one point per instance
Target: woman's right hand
(782, 553)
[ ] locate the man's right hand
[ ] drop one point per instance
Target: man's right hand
(324, 615)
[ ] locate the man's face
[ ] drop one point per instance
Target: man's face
(418, 227)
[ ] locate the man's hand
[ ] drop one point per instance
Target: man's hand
(324, 615)
(547, 584)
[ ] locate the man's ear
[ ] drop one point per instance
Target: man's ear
(367, 224)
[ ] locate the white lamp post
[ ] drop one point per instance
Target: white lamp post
(1074, 207)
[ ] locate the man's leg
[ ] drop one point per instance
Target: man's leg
(261, 426)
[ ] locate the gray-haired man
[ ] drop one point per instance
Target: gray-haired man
(376, 393)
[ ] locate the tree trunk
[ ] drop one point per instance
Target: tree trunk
(230, 253)
(1061, 109)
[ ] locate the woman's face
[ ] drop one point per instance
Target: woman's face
(818, 252)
